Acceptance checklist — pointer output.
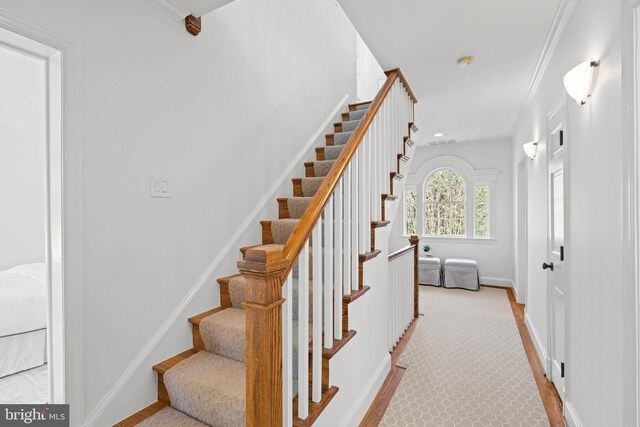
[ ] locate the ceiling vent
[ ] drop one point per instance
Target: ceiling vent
(442, 142)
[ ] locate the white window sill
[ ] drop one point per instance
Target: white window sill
(443, 239)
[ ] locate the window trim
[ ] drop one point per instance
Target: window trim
(472, 178)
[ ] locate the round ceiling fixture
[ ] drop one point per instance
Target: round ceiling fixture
(465, 61)
(438, 134)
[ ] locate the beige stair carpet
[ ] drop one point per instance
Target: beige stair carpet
(466, 365)
(169, 417)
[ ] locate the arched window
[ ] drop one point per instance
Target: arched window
(444, 203)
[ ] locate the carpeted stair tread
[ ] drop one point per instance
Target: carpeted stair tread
(170, 417)
(350, 126)
(297, 205)
(209, 388)
(331, 152)
(281, 229)
(322, 167)
(223, 333)
(341, 138)
(363, 106)
(310, 186)
(358, 114)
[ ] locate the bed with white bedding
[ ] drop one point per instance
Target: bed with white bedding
(23, 318)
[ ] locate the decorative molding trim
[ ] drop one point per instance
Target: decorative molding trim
(497, 281)
(359, 410)
(560, 101)
(176, 314)
(470, 174)
(73, 378)
(540, 348)
(558, 25)
(571, 415)
(630, 184)
(170, 8)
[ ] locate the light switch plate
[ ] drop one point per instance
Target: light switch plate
(159, 186)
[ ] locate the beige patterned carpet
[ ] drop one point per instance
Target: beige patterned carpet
(466, 365)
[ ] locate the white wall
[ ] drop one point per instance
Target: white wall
(594, 362)
(222, 114)
(495, 256)
(370, 74)
(22, 159)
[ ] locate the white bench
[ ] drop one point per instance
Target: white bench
(461, 273)
(429, 271)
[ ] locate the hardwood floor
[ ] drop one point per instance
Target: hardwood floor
(550, 398)
(548, 393)
(383, 398)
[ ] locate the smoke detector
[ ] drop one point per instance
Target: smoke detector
(465, 61)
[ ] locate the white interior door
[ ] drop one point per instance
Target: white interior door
(556, 249)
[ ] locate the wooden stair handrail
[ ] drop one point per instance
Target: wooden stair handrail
(303, 230)
(400, 252)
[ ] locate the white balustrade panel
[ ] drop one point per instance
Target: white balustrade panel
(327, 268)
(400, 297)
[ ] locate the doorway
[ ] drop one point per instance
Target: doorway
(32, 346)
(555, 264)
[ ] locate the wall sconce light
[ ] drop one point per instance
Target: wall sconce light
(531, 149)
(581, 80)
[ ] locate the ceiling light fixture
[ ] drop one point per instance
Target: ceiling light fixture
(531, 149)
(465, 61)
(438, 134)
(581, 80)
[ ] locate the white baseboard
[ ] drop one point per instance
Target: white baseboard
(497, 281)
(177, 313)
(571, 415)
(537, 342)
(361, 407)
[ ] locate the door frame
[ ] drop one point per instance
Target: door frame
(630, 208)
(63, 201)
(560, 104)
(522, 224)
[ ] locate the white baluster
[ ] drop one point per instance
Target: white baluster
(361, 196)
(328, 273)
(354, 221)
(316, 356)
(287, 352)
(375, 192)
(303, 333)
(338, 260)
(346, 268)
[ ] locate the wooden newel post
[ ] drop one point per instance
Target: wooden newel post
(413, 240)
(263, 270)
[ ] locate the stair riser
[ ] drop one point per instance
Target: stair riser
(297, 187)
(329, 139)
(283, 209)
(267, 236)
(163, 394)
(320, 153)
(309, 171)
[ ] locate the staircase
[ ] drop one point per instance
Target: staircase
(244, 367)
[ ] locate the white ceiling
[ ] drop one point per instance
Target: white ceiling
(426, 37)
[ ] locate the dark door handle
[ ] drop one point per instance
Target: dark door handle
(549, 266)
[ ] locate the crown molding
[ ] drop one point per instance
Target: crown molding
(170, 8)
(558, 25)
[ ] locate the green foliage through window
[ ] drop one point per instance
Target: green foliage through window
(444, 207)
(410, 211)
(481, 211)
